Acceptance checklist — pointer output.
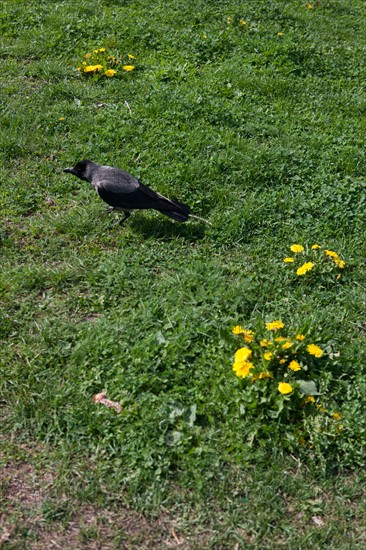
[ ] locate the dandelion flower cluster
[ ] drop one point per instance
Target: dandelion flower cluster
(100, 64)
(273, 352)
(279, 372)
(317, 260)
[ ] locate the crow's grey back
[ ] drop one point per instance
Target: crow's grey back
(114, 180)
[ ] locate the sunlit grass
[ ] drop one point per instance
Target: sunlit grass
(252, 114)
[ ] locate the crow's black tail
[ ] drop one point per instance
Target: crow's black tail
(176, 210)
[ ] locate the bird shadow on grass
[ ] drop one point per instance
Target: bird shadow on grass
(167, 230)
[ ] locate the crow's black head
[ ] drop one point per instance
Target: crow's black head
(82, 170)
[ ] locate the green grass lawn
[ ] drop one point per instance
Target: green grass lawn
(253, 113)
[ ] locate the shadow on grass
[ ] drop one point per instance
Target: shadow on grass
(167, 230)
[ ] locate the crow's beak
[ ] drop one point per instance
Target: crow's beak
(69, 170)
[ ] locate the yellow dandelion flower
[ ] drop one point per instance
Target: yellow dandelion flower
(242, 368)
(280, 34)
(304, 268)
(238, 329)
(280, 339)
(89, 68)
(128, 68)
(316, 246)
(263, 375)
(248, 335)
(282, 361)
(102, 50)
(286, 345)
(93, 68)
(300, 337)
(331, 253)
(339, 263)
(274, 325)
(242, 354)
(242, 23)
(288, 260)
(131, 56)
(84, 63)
(265, 343)
(110, 72)
(268, 355)
(309, 399)
(284, 388)
(295, 366)
(87, 55)
(62, 118)
(315, 350)
(336, 416)
(296, 248)
(96, 51)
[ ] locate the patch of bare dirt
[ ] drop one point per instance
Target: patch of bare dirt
(34, 518)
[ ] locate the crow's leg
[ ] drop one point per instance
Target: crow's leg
(127, 214)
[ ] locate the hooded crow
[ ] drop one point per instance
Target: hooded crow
(125, 192)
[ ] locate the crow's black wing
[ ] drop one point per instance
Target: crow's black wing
(121, 190)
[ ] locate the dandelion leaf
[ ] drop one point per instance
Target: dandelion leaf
(308, 387)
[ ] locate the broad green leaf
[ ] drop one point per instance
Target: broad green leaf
(308, 387)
